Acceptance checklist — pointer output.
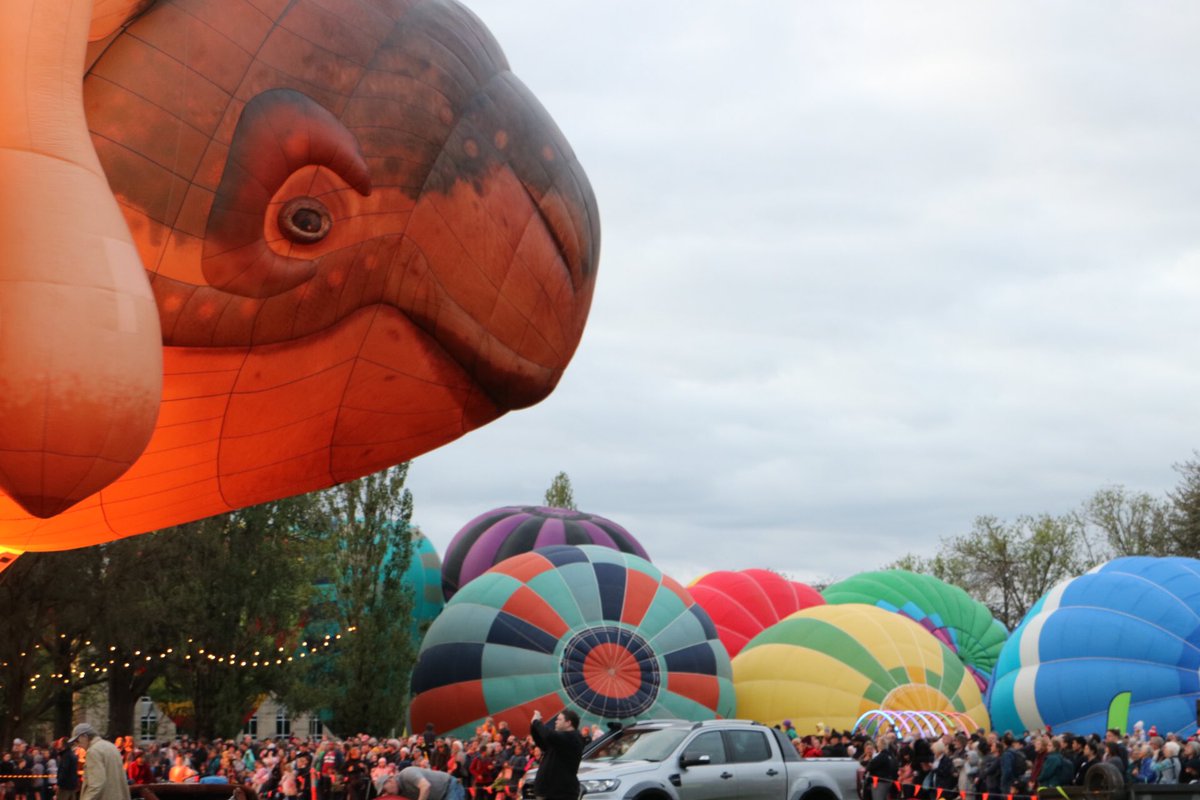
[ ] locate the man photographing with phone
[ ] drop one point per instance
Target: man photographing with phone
(562, 749)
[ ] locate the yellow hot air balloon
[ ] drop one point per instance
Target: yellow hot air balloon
(832, 664)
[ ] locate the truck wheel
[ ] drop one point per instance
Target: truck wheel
(819, 793)
(651, 795)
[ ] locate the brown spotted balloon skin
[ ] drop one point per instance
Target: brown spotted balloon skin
(364, 235)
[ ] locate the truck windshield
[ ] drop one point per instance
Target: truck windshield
(647, 744)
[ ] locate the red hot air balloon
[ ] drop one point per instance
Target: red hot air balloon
(742, 604)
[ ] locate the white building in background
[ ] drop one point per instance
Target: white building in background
(152, 723)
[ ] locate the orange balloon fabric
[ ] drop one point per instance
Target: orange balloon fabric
(80, 354)
(364, 238)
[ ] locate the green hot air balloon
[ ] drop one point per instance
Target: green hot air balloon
(958, 621)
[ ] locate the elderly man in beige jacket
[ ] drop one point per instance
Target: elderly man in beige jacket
(103, 775)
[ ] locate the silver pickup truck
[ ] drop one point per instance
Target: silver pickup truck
(713, 760)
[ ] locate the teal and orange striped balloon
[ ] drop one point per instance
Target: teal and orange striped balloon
(589, 628)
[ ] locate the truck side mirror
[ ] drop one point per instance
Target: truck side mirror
(686, 761)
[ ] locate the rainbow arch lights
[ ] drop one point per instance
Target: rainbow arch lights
(921, 723)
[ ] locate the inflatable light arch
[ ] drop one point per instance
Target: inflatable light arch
(924, 723)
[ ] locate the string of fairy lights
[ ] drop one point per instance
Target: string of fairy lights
(259, 659)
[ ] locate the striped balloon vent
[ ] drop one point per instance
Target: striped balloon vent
(589, 628)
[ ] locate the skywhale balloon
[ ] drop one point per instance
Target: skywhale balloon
(249, 250)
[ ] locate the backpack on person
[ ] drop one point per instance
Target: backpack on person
(1020, 764)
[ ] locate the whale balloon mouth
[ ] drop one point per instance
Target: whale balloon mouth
(371, 389)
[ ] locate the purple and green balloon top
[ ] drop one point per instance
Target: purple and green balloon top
(506, 532)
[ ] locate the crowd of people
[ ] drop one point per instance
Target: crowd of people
(970, 766)
(493, 763)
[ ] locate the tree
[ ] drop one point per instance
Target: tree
(47, 605)
(1185, 509)
(366, 677)
(1009, 566)
(247, 584)
(559, 495)
(1127, 524)
(145, 612)
(943, 566)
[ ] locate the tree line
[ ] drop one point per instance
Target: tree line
(129, 618)
(1009, 565)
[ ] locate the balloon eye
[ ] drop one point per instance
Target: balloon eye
(305, 220)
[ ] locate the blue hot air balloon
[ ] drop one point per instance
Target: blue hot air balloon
(1130, 625)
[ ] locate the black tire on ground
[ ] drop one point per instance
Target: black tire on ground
(1102, 779)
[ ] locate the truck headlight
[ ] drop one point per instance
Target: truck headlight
(600, 786)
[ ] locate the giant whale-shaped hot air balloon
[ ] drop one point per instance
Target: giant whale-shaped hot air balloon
(250, 249)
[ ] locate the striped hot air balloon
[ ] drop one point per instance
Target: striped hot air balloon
(1130, 625)
(589, 628)
(424, 574)
(828, 665)
(961, 623)
(505, 532)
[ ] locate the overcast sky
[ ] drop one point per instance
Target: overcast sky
(868, 271)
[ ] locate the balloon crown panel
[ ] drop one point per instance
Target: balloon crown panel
(591, 628)
(509, 531)
(320, 240)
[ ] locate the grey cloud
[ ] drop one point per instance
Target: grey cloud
(866, 273)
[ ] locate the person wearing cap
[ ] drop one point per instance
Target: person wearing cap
(103, 774)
